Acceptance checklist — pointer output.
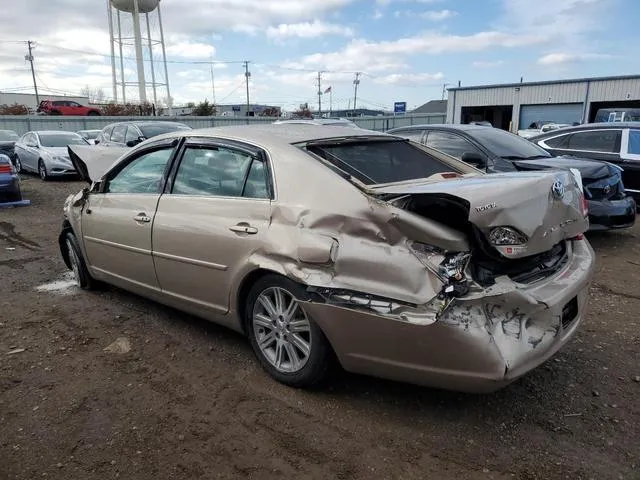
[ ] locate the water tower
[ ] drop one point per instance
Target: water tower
(135, 29)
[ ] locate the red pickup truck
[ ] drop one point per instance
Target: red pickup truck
(65, 107)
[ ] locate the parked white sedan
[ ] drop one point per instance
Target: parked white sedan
(46, 154)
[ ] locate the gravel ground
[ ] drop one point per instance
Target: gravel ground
(188, 401)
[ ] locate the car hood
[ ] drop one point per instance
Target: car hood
(56, 151)
(92, 161)
(524, 200)
(589, 169)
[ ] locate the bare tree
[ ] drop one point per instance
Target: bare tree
(95, 95)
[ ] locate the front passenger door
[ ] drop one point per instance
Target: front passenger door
(117, 220)
(212, 218)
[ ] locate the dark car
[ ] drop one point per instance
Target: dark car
(494, 150)
(129, 134)
(8, 139)
(617, 143)
(9, 183)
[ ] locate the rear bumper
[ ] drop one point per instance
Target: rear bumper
(611, 214)
(479, 345)
(9, 189)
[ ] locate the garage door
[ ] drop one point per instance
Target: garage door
(557, 113)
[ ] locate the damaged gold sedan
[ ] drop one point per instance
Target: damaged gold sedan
(401, 261)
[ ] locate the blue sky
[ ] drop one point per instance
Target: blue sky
(406, 50)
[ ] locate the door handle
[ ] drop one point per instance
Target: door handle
(142, 217)
(244, 228)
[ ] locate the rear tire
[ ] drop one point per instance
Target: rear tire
(93, 113)
(290, 346)
(55, 112)
(17, 165)
(78, 266)
(42, 171)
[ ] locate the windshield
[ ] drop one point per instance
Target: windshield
(158, 129)
(8, 136)
(507, 145)
(90, 134)
(60, 139)
(380, 161)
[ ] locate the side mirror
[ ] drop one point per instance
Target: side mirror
(132, 143)
(474, 159)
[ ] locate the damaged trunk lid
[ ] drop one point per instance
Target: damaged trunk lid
(92, 161)
(546, 207)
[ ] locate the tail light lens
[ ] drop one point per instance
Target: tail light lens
(6, 168)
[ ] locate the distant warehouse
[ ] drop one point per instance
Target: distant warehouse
(515, 106)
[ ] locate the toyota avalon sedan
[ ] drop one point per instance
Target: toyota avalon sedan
(315, 243)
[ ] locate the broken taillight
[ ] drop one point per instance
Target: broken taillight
(585, 205)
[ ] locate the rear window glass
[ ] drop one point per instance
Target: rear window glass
(152, 130)
(375, 162)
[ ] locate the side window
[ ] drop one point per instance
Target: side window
(59, 104)
(143, 174)
(595, 141)
(220, 172)
(256, 184)
(558, 142)
(106, 134)
(73, 104)
(119, 132)
(634, 142)
(132, 134)
(450, 144)
(413, 134)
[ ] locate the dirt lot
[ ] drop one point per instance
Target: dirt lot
(189, 401)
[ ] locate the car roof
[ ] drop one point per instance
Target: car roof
(276, 134)
(442, 126)
(588, 126)
(52, 132)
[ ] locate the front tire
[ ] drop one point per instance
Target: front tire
(288, 343)
(18, 165)
(78, 266)
(42, 171)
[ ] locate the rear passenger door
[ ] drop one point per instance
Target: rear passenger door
(212, 217)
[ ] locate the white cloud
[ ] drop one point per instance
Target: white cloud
(438, 15)
(487, 64)
(408, 78)
(560, 59)
(308, 30)
(191, 50)
(377, 14)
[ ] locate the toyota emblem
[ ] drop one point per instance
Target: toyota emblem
(558, 190)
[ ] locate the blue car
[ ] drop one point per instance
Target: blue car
(10, 194)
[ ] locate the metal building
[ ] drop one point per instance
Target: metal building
(29, 99)
(515, 106)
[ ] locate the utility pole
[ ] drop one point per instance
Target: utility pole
(213, 84)
(319, 94)
(356, 82)
(29, 58)
(444, 89)
(247, 74)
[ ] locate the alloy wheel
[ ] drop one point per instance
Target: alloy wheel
(282, 330)
(42, 170)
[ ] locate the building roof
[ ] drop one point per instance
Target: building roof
(547, 82)
(433, 106)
